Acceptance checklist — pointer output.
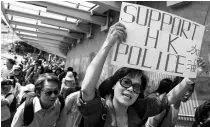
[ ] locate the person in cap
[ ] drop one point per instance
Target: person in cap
(46, 104)
(8, 102)
(67, 82)
(8, 68)
(75, 88)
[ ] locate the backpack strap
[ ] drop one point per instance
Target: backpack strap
(28, 113)
(12, 106)
(8, 95)
(62, 101)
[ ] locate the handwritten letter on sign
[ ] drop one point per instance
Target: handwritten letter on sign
(158, 41)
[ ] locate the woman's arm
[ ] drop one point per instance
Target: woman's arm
(177, 92)
(93, 72)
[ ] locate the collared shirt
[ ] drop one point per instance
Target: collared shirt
(42, 117)
(5, 112)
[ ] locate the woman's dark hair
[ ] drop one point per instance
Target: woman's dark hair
(39, 84)
(105, 87)
(165, 86)
(13, 62)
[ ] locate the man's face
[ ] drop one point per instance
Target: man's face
(188, 94)
(49, 93)
(70, 83)
(9, 64)
(17, 72)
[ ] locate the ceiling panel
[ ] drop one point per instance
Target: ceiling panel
(62, 23)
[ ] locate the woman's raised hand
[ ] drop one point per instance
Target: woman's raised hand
(117, 32)
(201, 67)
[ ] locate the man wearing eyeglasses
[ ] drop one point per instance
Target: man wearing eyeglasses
(46, 105)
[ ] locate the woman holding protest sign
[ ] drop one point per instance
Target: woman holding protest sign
(124, 105)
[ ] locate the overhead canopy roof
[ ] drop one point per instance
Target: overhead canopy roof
(55, 26)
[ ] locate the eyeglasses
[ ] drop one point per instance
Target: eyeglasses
(49, 93)
(127, 83)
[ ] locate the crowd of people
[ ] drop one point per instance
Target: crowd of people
(40, 93)
(18, 81)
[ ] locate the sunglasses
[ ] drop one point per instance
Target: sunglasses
(127, 83)
(49, 93)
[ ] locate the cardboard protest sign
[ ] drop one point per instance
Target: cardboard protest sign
(158, 41)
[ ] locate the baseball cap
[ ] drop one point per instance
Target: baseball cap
(69, 76)
(6, 82)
